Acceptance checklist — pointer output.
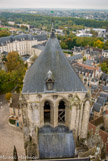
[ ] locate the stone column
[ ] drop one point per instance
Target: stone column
(55, 115)
(80, 120)
(36, 116)
(30, 117)
(73, 117)
(24, 115)
(67, 115)
(41, 108)
(85, 120)
(77, 119)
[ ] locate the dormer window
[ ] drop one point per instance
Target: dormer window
(49, 81)
(49, 84)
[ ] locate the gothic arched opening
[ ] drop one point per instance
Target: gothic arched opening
(47, 112)
(61, 112)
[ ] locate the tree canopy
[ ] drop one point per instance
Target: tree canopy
(14, 61)
(12, 79)
(106, 45)
(4, 33)
(99, 44)
(104, 66)
(45, 21)
(69, 41)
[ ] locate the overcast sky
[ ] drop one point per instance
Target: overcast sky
(88, 4)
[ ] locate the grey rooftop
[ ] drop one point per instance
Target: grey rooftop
(97, 107)
(101, 101)
(53, 59)
(9, 39)
(75, 57)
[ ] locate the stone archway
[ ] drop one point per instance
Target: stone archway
(46, 112)
(61, 112)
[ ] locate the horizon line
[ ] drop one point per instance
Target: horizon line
(55, 8)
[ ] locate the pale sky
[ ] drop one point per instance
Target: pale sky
(81, 4)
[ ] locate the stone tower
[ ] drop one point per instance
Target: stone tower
(55, 105)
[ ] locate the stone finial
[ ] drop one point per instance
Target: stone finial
(49, 74)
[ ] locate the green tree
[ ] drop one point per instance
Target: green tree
(84, 58)
(69, 43)
(99, 44)
(24, 27)
(104, 66)
(13, 61)
(4, 81)
(64, 45)
(8, 96)
(94, 33)
(13, 78)
(4, 33)
(106, 45)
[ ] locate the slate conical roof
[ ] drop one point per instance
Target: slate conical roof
(52, 59)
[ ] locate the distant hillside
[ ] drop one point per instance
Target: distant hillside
(40, 21)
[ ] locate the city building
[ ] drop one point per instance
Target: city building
(101, 32)
(81, 34)
(84, 33)
(91, 53)
(89, 74)
(100, 105)
(105, 53)
(59, 31)
(55, 106)
(24, 25)
(21, 43)
(37, 49)
(78, 58)
(104, 78)
(100, 123)
(11, 23)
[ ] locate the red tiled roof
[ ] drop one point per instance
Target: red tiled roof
(88, 67)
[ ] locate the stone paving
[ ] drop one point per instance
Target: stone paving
(9, 136)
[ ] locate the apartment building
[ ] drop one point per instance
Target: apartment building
(21, 43)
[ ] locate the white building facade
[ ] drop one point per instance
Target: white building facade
(21, 43)
(105, 53)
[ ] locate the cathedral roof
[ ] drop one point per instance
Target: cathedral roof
(52, 59)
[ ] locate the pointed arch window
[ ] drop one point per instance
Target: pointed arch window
(61, 112)
(47, 112)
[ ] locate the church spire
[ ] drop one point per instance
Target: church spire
(52, 30)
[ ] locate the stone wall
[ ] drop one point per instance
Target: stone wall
(77, 108)
(56, 142)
